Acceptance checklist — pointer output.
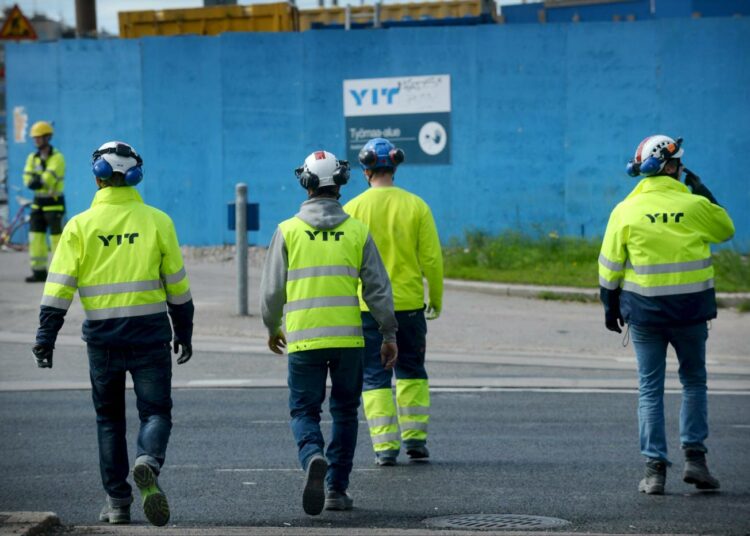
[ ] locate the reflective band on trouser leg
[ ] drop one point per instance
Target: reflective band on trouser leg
(413, 399)
(54, 239)
(380, 412)
(38, 251)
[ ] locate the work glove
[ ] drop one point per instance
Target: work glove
(695, 184)
(432, 312)
(614, 322)
(388, 354)
(42, 355)
(277, 343)
(184, 349)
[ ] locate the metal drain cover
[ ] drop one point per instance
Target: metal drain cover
(496, 522)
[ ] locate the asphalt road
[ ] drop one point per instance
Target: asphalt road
(232, 461)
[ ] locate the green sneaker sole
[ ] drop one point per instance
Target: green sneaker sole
(155, 504)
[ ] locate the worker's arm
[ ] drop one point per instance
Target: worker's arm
(376, 290)
(31, 178)
(179, 298)
(54, 172)
(273, 284)
(612, 259)
(431, 262)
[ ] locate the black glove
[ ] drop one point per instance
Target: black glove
(614, 322)
(186, 351)
(43, 356)
(697, 187)
(36, 183)
(692, 180)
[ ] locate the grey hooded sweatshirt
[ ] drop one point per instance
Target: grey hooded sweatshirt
(326, 213)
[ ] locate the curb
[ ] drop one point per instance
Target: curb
(27, 523)
(727, 299)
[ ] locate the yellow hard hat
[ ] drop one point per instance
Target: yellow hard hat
(41, 128)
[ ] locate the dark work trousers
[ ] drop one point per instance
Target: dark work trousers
(151, 370)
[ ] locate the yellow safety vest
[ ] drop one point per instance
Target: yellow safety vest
(51, 174)
(322, 308)
(122, 256)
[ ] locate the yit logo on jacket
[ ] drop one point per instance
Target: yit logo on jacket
(665, 216)
(335, 235)
(106, 240)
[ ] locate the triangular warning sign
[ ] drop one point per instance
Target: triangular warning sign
(17, 26)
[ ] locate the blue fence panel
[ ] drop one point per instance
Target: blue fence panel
(544, 117)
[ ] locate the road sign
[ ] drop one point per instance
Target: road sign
(17, 26)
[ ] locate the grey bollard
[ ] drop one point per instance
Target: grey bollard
(240, 219)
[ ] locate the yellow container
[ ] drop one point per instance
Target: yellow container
(391, 12)
(278, 17)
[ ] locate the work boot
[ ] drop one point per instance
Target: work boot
(696, 471)
(337, 500)
(37, 276)
(155, 504)
(654, 479)
(385, 461)
(116, 511)
(418, 454)
(313, 497)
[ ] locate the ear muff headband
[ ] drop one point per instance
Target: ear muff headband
(104, 171)
(309, 180)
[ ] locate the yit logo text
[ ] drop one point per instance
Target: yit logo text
(376, 95)
(334, 235)
(665, 216)
(107, 240)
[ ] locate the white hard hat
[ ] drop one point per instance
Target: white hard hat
(659, 149)
(321, 169)
(117, 157)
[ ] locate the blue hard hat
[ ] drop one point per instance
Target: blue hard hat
(380, 153)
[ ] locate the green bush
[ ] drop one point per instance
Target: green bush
(549, 259)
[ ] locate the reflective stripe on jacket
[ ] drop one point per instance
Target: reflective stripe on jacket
(322, 308)
(656, 254)
(47, 179)
(124, 259)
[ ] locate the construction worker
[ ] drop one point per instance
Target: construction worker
(312, 269)
(124, 259)
(404, 231)
(44, 173)
(655, 275)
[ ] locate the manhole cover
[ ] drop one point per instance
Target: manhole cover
(495, 522)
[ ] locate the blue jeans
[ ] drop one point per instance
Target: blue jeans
(689, 343)
(151, 370)
(307, 391)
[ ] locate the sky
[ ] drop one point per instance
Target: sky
(106, 10)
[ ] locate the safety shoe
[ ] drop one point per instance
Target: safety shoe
(155, 504)
(37, 276)
(313, 497)
(654, 479)
(336, 500)
(116, 511)
(385, 461)
(418, 454)
(696, 471)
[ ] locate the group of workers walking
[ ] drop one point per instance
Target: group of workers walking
(350, 282)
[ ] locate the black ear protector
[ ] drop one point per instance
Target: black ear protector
(396, 155)
(368, 157)
(310, 181)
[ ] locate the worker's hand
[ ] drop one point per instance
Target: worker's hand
(277, 343)
(388, 354)
(432, 312)
(184, 349)
(42, 355)
(692, 180)
(614, 322)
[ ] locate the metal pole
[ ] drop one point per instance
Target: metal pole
(348, 17)
(240, 220)
(86, 18)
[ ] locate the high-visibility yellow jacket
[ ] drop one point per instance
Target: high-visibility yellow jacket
(47, 179)
(655, 259)
(404, 231)
(124, 259)
(311, 273)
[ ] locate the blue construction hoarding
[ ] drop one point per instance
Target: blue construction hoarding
(542, 118)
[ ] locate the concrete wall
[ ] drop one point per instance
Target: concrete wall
(544, 116)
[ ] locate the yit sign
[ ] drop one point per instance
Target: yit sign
(412, 111)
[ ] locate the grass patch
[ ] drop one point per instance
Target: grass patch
(549, 259)
(563, 296)
(744, 306)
